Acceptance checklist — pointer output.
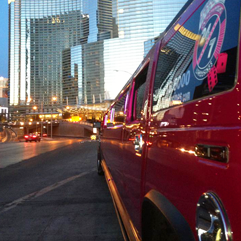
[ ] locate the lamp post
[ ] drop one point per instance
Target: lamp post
(119, 70)
(54, 98)
(35, 108)
(41, 119)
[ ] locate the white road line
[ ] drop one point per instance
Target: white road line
(41, 192)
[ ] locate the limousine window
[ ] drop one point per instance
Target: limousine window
(139, 93)
(200, 59)
(109, 118)
(105, 120)
(119, 109)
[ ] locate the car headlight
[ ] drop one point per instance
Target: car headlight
(212, 223)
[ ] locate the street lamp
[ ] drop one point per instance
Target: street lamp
(119, 70)
(42, 119)
(35, 108)
(54, 99)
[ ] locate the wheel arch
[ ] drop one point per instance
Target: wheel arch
(171, 224)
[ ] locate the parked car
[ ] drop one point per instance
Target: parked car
(32, 137)
(170, 142)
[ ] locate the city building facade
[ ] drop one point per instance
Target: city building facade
(3, 99)
(3, 87)
(80, 51)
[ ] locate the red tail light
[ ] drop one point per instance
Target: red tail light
(34, 136)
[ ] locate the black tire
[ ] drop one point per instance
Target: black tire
(99, 167)
(157, 228)
(26, 140)
(161, 220)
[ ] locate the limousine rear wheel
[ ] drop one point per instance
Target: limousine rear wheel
(157, 227)
(161, 221)
(99, 167)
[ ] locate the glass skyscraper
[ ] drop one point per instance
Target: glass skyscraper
(80, 51)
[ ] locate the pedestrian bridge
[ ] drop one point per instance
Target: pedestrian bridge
(69, 129)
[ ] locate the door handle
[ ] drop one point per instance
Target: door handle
(138, 143)
(215, 153)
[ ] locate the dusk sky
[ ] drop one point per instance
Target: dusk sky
(4, 38)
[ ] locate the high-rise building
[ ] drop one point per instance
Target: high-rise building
(3, 99)
(80, 51)
(3, 87)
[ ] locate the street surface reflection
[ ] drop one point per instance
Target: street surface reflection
(11, 153)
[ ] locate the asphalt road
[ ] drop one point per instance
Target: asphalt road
(54, 193)
(14, 152)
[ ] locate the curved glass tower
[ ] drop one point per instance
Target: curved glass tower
(40, 31)
(80, 51)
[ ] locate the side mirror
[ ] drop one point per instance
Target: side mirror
(97, 124)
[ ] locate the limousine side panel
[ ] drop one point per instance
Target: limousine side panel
(193, 148)
(112, 153)
(181, 175)
(182, 156)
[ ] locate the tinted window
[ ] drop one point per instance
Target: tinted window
(119, 109)
(139, 99)
(139, 93)
(200, 59)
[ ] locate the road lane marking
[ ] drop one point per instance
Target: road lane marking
(41, 192)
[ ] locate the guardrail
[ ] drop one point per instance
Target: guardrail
(86, 123)
(8, 135)
(4, 136)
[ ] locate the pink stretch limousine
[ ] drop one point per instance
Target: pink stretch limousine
(170, 146)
